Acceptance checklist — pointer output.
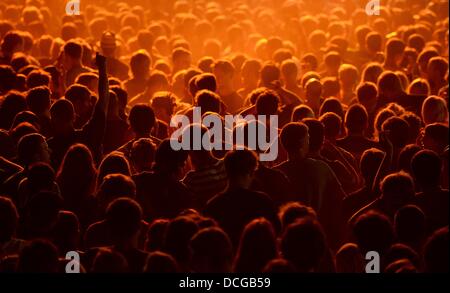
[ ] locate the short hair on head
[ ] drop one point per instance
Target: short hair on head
(77, 92)
(438, 132)
(8, 219)
(269, 73)
(38, 99)
(356, 118)
(373, 232)
(206, 81)
(73, 49)
(142, 118)
(389, 81)
(140, 63)
(398, 185)
(397, 130)
(426, 167)
(267, 103)
(394, 47)
(316, 133)
(293, 136)
(410, 224)
(331, 87)
(435, 252)
(114, 186)
(167, 159)
(332, 124)
(307, 76)
(208, 101)
(348, 74)
(301, 112)
(419, 86)
(160, 262)
(292, 211)
(205, 64)
(370, 162)
(29, 146)
(38, 256)
(303, 243)
(108, 260)
(311, 59)
(371, 72)
(438, 64)
(366, 91)
(38, 77)
(123, 217)
(62, 110)
(332, 105)
(288, 67)
(240, 163)
(405, 157)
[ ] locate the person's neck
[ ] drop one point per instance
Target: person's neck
(296, 156)
(356, 133)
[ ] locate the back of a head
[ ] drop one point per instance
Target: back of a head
(370, 162)
(356, 119)
(257, 246)
(332, 125)
(426, 167)
(73, 49)
(398, 188)
(434, 109)
(269, 73)
(435, 252)
(294, 136)
(332, 105)
(349, 259)
(30, 148)
(8, 219)
(38, 256)
(394, 47)
(114, 162)
(211, 251)
(367, 93)
(419, 86)
(389, 82)
(313, 89)
(168, 159)
(142, 118)
(348, 75)
(38, 78)
(123, 217)
(208, 101)
(410, 224)
(436, 137)
(62, 111)
(400, 251)
(142, 153)
(279, 265)
(303, 243)
(160, 262)
(316, 134)
(206, 81)
(240, 163)
(140, 63)
(397, 130)
(115, 186)
(38, 99)
(177, 237)
(373, 232)
(108, 260)
(267, 103)
(301, 112)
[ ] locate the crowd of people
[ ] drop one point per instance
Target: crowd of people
(87, 164)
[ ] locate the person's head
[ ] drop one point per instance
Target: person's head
(269, 74)
(419, 86)
(308, 63)
(295, 138)
(41, 213)
(81, 98)
(332, 124)
(211, 251)
(405, 157)
(356, 119)
(437, 68)
(434, 109)
(415, 125)
(157, 82)
(142, 154)
(163, 104)
(62, 115)
(160, 262)
(123, 218)
(155, 235)
(332, 105)
(177, 238)
(38, 256)
(108, 43)
(32, 148)
(303, 243)
(11, 43)
(11, 104)
(373, 231)
(224, 72)
(77, 163)
(371, 72)
(293, 211)
(313, 90)
(397, 189)
(435, 252)
(435, 137)
(331, 87)
(279, 265)
(424, 58)
(250, 73)
(109, 260)
(316, 134)
(113, 163)
(410, 225)
(397, 130)
(38, 77)
(73, 52)
(426, 168)
(289, 71)
(38, 100)
(301, 112)
(168, 160)
(369, 163)
(240, 166)
(140, 63)
(181, 59)
(417, 42)
(402, 253)
(114, 186)
(349, 259)
(348, 76)
(208, 101)
(366, 94)
(205, 64)
(389, 84)
(394, 50)
(8, 219)
(206, 81)
(257, 247)
(89, 80)
(142, 120)
(267, 103)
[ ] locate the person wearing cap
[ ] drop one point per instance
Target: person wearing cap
(109, 45)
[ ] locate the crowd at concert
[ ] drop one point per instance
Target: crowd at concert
(87, 164)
